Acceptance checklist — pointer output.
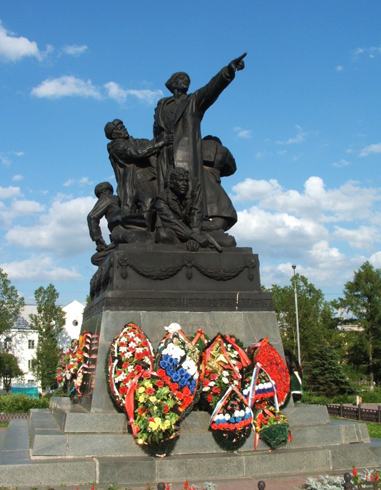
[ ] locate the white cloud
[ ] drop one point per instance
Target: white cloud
(61, 231)
(26, 208)
(9, 192)
(243, 133)
(74, 50)
(82, 181)
(375, 259)
(277, 234)
(362, 238)
(307, 228)
(116, 92)
(17, 178)
(339, 68)
(341, 163)
(70, 86)
(18, 208)
(376, 148)
(370, 52)
(41, 268)
(66, 86)
(14, 48)
(4, 160)
(261, 154)
(346, 203)
(298, 138)
(323, 265)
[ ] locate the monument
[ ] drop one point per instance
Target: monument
(171, 259)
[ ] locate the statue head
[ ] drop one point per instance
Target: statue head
(102, 187)
(179, 182)
(212, 138)
(179, 80)
(116, 129)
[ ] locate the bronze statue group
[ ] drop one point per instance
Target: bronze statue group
(169, 188)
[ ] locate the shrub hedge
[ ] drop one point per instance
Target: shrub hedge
(20, 403)
(367, 397)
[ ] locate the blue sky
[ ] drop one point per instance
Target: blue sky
(302, 120)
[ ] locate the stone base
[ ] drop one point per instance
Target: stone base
(72, 447)
(81, 434)
(160, 277)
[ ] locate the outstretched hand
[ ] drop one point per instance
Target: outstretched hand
(238, 63)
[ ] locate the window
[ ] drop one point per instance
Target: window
(75, 323)
(7, 344)
(30, 344)
(30, 364)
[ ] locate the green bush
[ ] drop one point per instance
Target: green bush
(371, 396)
(20, 403)
(367, 397)
(322, 400)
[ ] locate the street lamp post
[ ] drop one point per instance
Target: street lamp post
(297, 317)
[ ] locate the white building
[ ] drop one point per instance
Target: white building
(21, 340)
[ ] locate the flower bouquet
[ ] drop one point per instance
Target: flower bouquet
(268, 383)
(74, 365)
(152, 410)
(272, 427)
(67, 369)
(177, 363)
(222, 361)
(130, 354)
(81, 358)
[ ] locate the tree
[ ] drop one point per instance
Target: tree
(362, 301)
(325, 375)
(48, 322)
(9, 369)
(10, 302)
(315, 316)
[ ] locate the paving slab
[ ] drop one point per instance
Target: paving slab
(16, 443)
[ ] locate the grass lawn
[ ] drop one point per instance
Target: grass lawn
(5, 424)
(374, 430)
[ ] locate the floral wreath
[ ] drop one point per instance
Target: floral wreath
(74, 365)
(241, 388)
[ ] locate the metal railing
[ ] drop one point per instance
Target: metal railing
(7, 417)
(355, 412)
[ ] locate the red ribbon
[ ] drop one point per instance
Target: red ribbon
(242, 354)
(200, 333)
(130, 404)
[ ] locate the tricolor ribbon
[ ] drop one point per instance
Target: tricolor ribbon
(258, 366)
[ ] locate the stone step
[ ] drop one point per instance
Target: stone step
(73, 418)
(15, 446)
(48, 444)
(178, 468)
(48, 440)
